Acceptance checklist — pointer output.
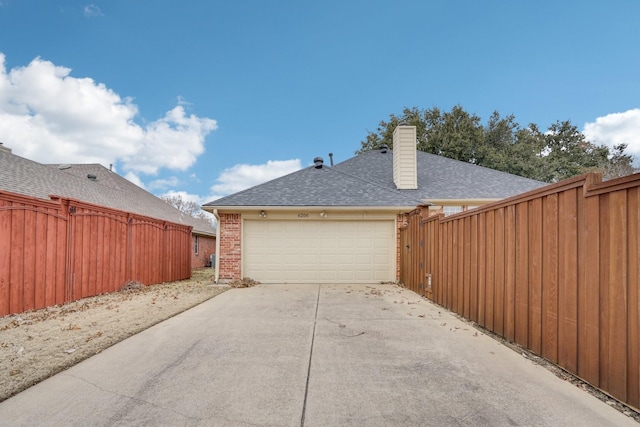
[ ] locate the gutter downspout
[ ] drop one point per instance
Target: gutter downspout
(217, 267)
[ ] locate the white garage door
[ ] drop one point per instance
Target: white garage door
(319, 251)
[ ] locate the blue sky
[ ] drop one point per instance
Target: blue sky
(205, 98)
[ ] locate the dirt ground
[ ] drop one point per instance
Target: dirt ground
(38, 344)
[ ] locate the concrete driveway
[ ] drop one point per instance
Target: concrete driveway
(312, 355)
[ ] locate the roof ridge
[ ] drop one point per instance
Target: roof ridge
(380, 186)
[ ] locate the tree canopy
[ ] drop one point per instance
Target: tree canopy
(560, 152)
(188, 207)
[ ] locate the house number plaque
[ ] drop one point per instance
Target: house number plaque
(303, 215)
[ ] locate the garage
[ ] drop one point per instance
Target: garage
(309, 251)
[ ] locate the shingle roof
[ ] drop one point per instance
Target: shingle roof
(440, 178)
(367, 180)
(23, 176)
(318, 187)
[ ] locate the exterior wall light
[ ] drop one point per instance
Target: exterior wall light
(263, 214)
(323, 214)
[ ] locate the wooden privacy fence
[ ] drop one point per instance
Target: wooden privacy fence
(60, 250)
(555, 270)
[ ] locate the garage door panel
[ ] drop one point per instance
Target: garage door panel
(319, 251)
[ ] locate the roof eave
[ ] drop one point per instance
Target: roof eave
(240, 209)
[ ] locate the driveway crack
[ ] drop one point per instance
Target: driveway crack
(313, 339)
(135, 399)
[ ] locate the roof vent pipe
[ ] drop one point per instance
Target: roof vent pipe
(331, 158)
(384, 148)
(318, 162)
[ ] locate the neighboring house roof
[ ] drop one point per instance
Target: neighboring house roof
(367, 180)
(24, 176)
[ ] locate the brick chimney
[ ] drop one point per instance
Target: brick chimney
(405, 169)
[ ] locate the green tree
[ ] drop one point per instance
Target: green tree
(619, 163)
(498, 143)
(524, 156)
(454, 134)
(567, 153)
(384, 132)
(559, 153)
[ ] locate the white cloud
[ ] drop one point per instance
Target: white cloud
(51, 117)
(616, 128)
(163, 184)
(91, 10)
(243, 176)
(135, 179)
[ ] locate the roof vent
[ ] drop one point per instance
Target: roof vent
(5, 149)
(384, 148)
(92, 177)
(63, 167)
(318, 162)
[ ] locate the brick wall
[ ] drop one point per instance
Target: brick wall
(206, 247)
(230, 246)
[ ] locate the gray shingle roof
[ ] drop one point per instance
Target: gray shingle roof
(441, 178)
(317, 187)
(367, 180)
(23, 176)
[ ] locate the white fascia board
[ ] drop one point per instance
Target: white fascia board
(241, 209)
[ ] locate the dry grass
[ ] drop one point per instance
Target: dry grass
(38, 344)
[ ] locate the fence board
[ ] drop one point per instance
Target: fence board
(617, 328)
(39, 273)
(510, 273)
(568, 280)
(63, 257)
(482, 268)
(589, 295)
(490, 271)
(5, 256)
(633, 331)
(466, 267)
(605, 305)
(16, 280)
(29, 260)
(499, 272)
(50, 258)
(449, 270)
(550, 278)
(473, 269)
(535, 276)
(521, 318)
(457, 297)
